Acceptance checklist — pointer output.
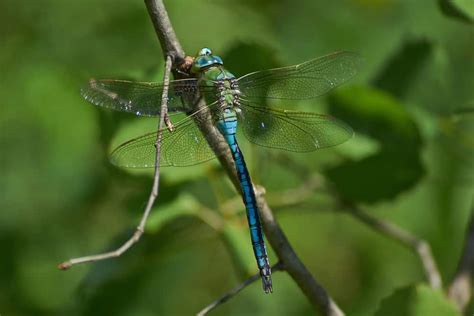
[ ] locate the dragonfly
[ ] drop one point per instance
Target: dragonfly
(231, 102)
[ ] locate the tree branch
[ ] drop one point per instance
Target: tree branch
(313, 291)
(163, 28)
(460, 289)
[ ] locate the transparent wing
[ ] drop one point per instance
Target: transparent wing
(185, 146)
(142, 98)
(304, 81)
(290, 130)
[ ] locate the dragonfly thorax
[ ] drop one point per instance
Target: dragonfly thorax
(228, 93)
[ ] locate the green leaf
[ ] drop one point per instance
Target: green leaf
(400, 71)
(419, 300)
(459, 9)
(243, 58)
(376, 114)
(378, 177)
(236, 238)
(185, 205)
(459, 129)
(396, 166)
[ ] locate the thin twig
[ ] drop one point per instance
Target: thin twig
(227, 296)
(154, 191)
(164, 30)
(460, 289)
(420, 246)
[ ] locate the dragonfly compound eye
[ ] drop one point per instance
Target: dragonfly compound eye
(205, 52)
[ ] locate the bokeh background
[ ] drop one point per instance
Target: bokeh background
(410, 162)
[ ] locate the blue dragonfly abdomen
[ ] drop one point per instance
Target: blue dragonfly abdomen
(227, 125)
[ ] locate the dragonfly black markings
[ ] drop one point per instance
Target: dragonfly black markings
(232, 102)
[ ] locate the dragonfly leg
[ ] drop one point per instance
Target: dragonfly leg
(168, 123)
(185, 67)
(107, 255)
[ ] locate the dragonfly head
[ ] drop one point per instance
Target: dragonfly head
(205, 59)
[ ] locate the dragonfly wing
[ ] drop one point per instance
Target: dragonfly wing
(291, 130)
(141, 98)
(185, 146)
(304, 81)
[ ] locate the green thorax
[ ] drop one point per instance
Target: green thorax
(216, 73)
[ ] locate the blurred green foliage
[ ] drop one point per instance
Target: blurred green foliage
(416, 301)
(460, 9)
(411, 161)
